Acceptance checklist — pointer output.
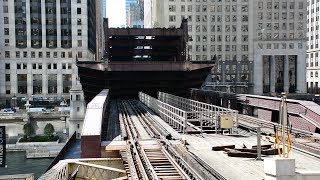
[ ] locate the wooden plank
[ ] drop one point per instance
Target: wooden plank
(221, 148)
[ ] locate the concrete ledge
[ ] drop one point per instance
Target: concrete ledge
(50, 143)
(17, 177)
(308, 175)
(279, 166)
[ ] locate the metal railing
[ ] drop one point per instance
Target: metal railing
(186, 114)
(196, 106)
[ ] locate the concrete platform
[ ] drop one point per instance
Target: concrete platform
(234, 167)
(239, 168)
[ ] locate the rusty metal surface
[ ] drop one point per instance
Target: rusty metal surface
(144, 66)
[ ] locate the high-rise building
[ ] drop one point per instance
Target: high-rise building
(135, 15)
(259, 46)
(41, 40)
(313, 48)
(128, 4)
(104, 8)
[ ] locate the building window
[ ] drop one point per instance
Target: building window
(63, 54)
(77, 97)
(79, 21)
(6, 42)
(33, 54)
(172, 8)
(17, 54)
(79, 54)
(5, 9)
(7, 77)
(6, 31)
(79, 32)
(172, 18)
(5, 20)
(7, 54)
(79, 43)
(69, 54)
(78, 10)
(7, 66)
(55, 54)
(64, 66)
(54, 65)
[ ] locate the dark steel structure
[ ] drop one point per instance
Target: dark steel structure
(147, 60)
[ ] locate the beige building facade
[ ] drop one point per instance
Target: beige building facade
(259, 46)
(41, 40)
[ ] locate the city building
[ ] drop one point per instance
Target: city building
(104, 8)
(313, 49)
(128, 4)
(258, 46)
(41, 41)
(135, 15)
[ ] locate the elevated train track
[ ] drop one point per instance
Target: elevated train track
(152, 155)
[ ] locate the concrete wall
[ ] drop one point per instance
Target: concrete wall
(39, 126)
(16, 128)
(284, 168)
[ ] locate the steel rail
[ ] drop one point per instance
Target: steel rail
(136, 164)
(163, 165)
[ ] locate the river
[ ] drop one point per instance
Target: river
(17, 163)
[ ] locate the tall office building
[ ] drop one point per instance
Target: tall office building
(135, 15)
(104, 8)
(41, 40)
(313, 48)
(128, 4)
(258, 45)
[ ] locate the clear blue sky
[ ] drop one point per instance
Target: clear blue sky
(116, 12)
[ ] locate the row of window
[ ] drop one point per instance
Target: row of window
(213, 18)
(244, 57)
(38, 77)
(39, 66)
(33, 54)
(37, 89)
(218, 1)
(276, 5)
(214, 48)
(204, 8)
(218, 38)
(316, 74)
(277, 15)
(282, 26)
(218, 28)
(312, 60)
(279, 45)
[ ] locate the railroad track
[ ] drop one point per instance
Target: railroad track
(142, 160)
(267, 127)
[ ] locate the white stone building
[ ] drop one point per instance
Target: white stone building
(40, 42)
(259, 46)
(313, 49)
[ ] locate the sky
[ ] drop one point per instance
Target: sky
(116, 12)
